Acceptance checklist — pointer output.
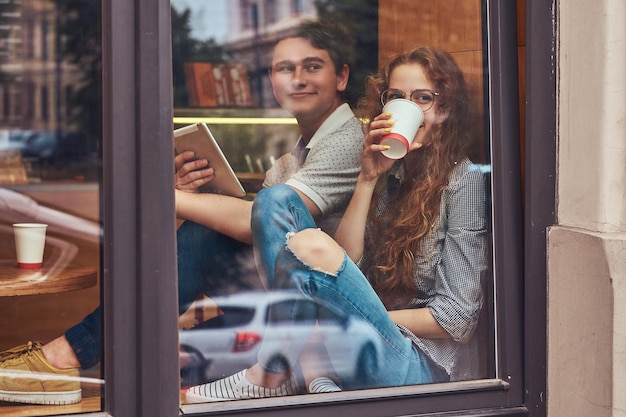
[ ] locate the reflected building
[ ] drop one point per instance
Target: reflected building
(35, 83)
(41, 121)
(257, 25)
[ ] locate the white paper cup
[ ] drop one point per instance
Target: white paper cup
(408, 117)
(30, 240)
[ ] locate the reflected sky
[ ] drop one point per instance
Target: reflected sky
(209, 18)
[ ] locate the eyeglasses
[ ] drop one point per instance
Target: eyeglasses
(423, 98)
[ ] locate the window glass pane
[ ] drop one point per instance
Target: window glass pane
(248, 71)
(50, 170)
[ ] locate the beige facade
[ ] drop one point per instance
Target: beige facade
(587, 246)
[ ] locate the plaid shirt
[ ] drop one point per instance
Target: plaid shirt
(449, 280)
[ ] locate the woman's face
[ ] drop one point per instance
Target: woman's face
(408, 78)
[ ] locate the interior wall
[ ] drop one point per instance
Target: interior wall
(453, 25)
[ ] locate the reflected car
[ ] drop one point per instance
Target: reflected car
(53, 147)
(230, 341)
(14, 139)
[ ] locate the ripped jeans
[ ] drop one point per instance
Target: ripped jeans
(278, 212)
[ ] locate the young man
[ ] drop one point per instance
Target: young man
(309, 74)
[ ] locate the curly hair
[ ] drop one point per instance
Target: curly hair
(399, 240)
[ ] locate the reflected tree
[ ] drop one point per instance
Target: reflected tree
(78, 43)
(361, 18)
(186, 49)
(78, 26)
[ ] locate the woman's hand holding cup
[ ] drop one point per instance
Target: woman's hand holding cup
(374, 163)
(407, 118)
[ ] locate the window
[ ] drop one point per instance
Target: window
(6, 106)
(248, 14)
(69, 91)
(44, 104)
(271, 11)
(139, 306)
(296, 6)
(379, 27)
(50, 172)
(45, 38)
(29, 95)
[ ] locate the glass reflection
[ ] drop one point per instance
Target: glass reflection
(230, 340)
(49, 173)
(202, 88)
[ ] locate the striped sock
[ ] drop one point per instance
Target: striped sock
(323, 384)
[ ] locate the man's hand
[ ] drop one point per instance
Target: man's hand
(190, 173)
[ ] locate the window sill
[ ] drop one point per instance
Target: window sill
(346, 396)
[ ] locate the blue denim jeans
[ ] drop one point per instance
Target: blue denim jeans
(208, 262)
(278, 211)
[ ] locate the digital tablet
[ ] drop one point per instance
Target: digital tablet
(199, 139)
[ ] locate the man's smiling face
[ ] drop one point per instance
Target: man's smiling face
(304, 80)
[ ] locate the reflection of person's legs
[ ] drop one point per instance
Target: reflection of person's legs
(212, 263)
(84, 339)
(208, 262)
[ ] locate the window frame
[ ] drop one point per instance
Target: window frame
(140, 312)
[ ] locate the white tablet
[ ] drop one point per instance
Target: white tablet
(198, 138)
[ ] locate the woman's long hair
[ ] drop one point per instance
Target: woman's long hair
(395, 241)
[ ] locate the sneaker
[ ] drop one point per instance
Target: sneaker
(237, 387)
(323, 384)
(27, 377)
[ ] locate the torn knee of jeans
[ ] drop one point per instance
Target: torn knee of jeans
(289, 235)
(312, 251)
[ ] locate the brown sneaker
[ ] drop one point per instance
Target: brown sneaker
(27, 377)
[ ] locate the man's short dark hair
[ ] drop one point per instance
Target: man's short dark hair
(331, 36)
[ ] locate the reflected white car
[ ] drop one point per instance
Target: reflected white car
(14, 139)
(229, 342)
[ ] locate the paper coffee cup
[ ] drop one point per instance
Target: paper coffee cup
(408, 117)
(30, 240)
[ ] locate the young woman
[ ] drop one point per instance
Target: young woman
(409, 254)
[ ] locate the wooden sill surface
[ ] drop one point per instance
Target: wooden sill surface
(91, 402)
(86, 405)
